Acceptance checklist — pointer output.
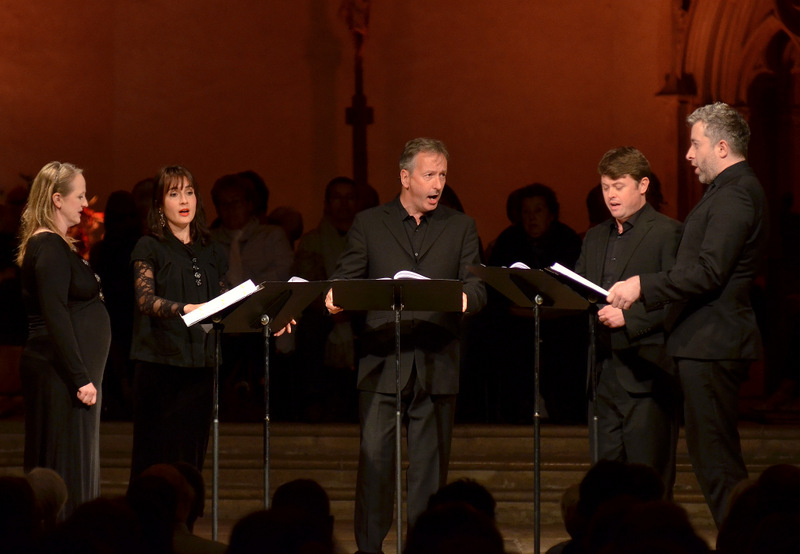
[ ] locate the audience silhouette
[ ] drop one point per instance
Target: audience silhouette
(50, 492)
(538, 239)
(110, 259)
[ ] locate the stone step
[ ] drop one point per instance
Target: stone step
(498, 456)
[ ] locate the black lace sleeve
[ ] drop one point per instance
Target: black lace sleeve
(145, 289)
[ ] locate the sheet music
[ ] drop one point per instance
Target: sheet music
(404, 274)
(566, 272)
(220, 303)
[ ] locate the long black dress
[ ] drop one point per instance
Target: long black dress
(68, 342)
(174, 364)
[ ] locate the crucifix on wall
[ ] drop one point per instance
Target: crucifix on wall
(359, 115)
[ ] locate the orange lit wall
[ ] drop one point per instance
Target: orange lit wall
(520, 90)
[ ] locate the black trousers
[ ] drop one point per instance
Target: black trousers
(171, 415)
(711, 392)
(429, 424)
(637, 427)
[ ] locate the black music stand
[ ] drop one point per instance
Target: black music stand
(536, 289)
(431, 295)
(272, 306)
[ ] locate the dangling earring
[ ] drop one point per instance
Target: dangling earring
(161, 219)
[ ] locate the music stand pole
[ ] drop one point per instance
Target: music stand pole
(438, 295)
(537, 433)
(592, 363)
(265, 322)
(215, 426)
(398, 458)
(538, 290)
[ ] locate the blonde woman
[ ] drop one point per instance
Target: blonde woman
(68, 336)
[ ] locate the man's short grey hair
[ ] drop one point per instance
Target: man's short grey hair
(723, 123)
(417, 145)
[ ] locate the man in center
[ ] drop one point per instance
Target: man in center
(412, 232)
(636, 399)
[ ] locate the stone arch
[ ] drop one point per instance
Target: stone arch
(725, 49)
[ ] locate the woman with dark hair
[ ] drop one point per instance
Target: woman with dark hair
(177, 267)
(68, 340)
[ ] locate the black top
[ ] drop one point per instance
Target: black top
(709, 314)
(558, 244)
(62, 298)
(415, 231)
(167, 340)
(617, 246)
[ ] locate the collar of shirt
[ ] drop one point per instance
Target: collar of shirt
(403, 214)
(728, 174)
(629, 223)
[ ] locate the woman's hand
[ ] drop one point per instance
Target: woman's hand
(88, 394)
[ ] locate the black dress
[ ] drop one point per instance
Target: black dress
(173, 375)
(68, 342)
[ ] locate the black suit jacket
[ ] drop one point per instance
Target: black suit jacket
(709, 315)
(651, 247)
(378, 247)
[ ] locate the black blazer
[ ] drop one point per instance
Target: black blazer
(709, 315)
(650, 248)
(378, 247)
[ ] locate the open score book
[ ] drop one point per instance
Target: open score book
(569, 274)
(220, 303)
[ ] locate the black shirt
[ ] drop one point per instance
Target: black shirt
(616, 244)
(415, 231)
(168, 340)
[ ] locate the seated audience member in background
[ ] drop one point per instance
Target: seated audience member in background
(466, 491)
(326, 348)
(143, 199)
(535, 237)
(195, 480)
(603, 485)
(110, 258)
(99, 526)
(286, 530)
(637, 396)
(288, 219)
(183, 541)
(755, 506)
(319, 249)
(626, 526)
(20, 523)
(572, 522)
(13, 321)
(50, 492)
(255, 251)
(262, 193)
(538, 239)
(454, 528)
(307, 496)
(155, 502)
(596, 206)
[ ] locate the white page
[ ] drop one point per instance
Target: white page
(566, 272)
